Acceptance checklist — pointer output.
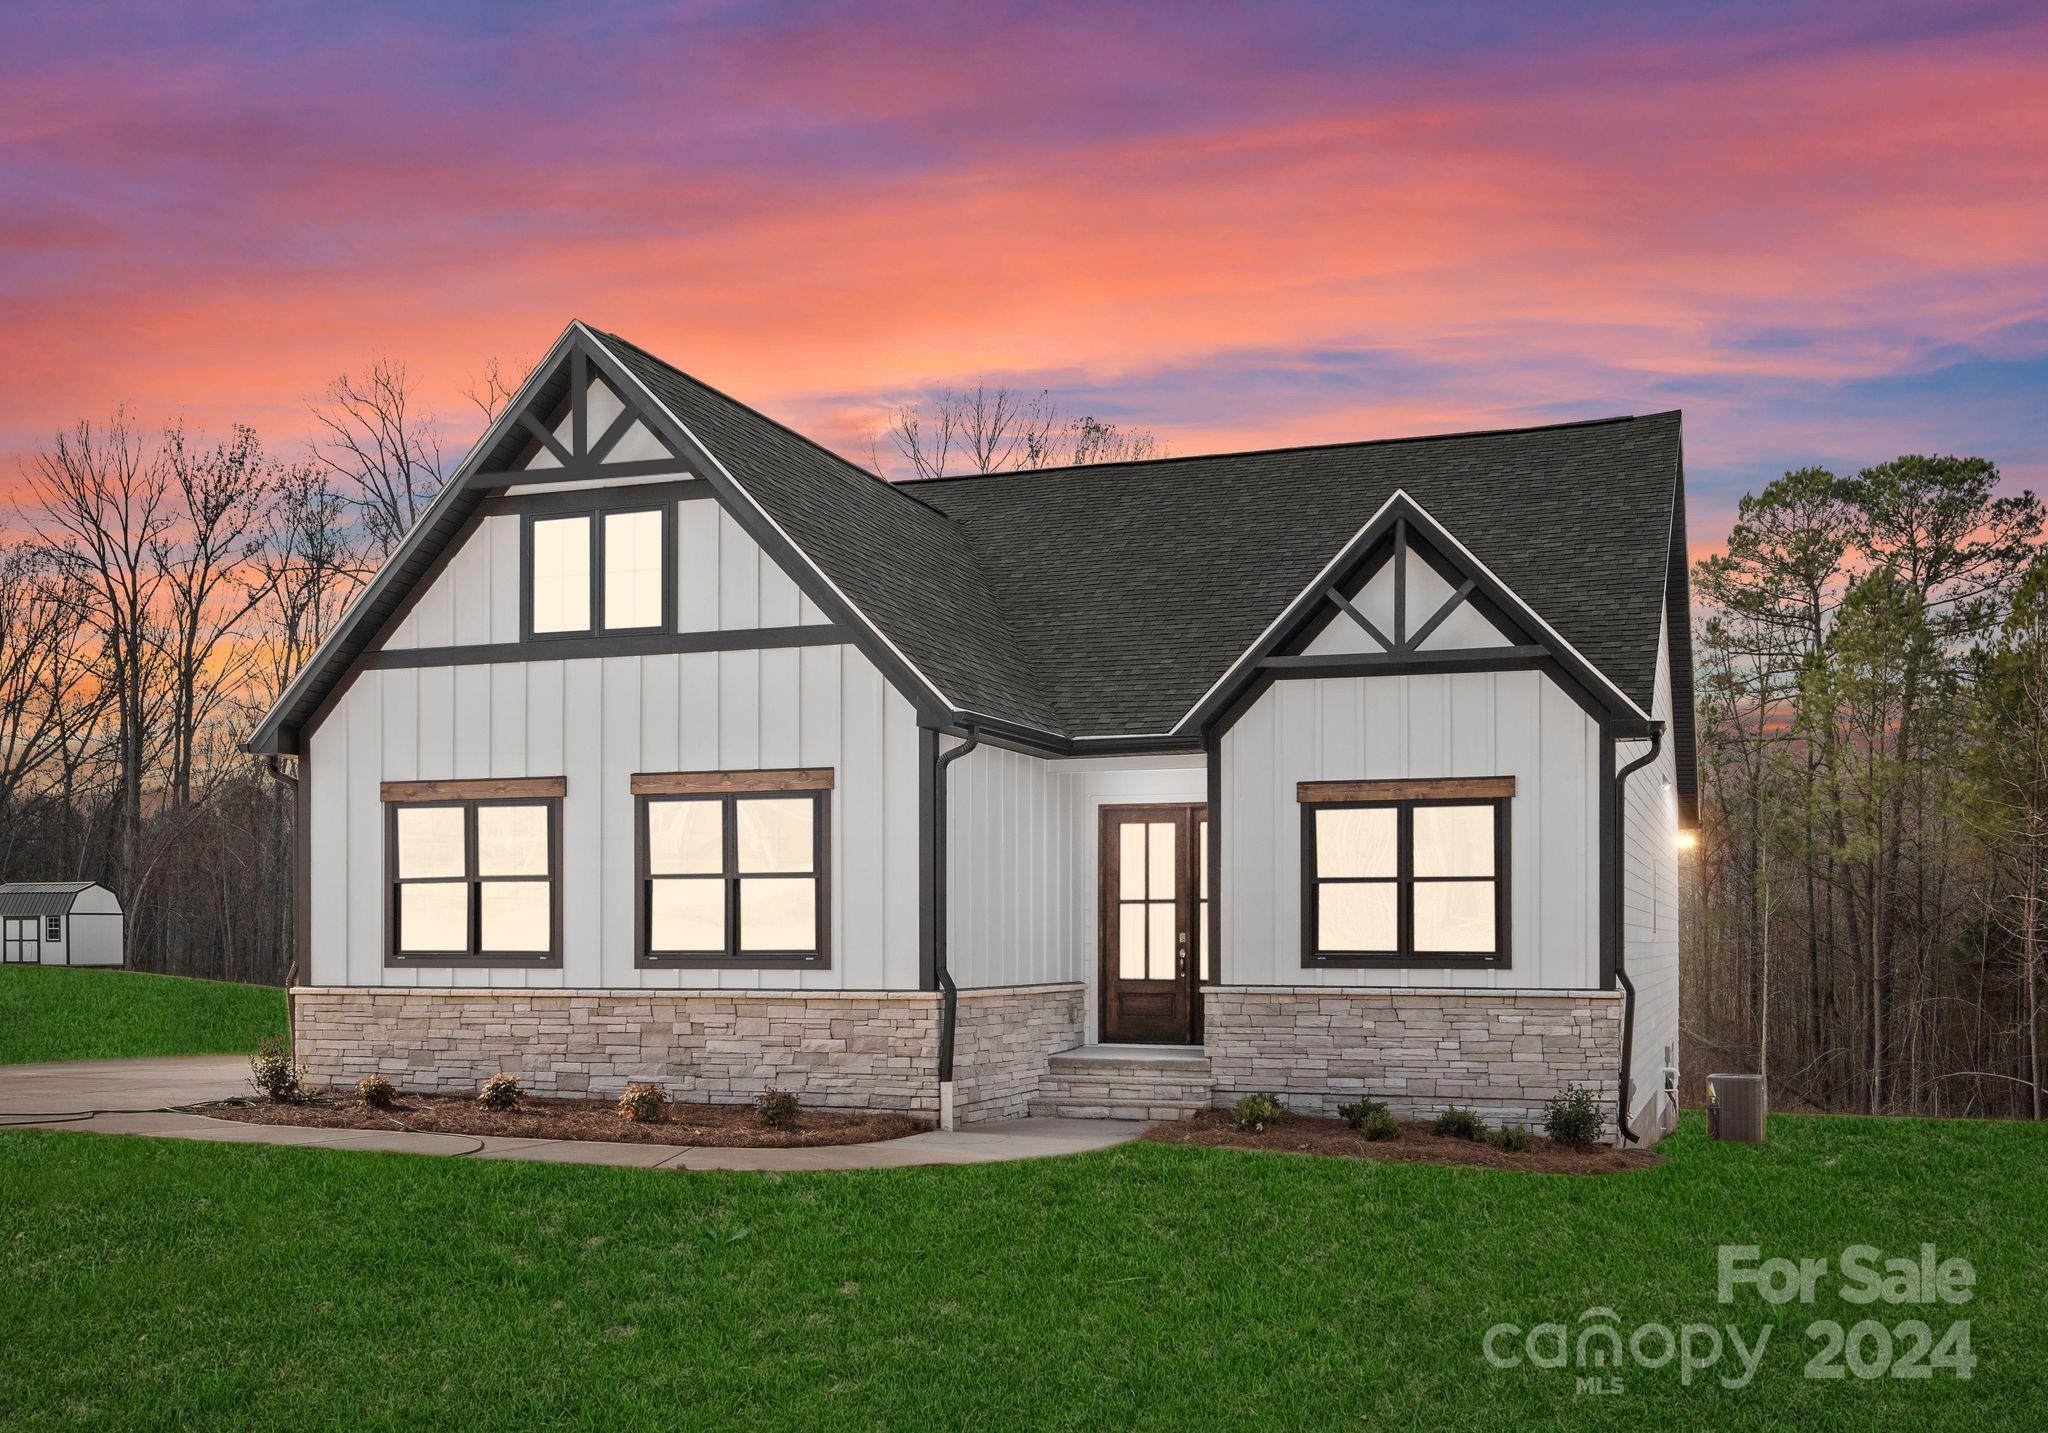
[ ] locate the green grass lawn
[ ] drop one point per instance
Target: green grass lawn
(214, 1285)
(59, 1013)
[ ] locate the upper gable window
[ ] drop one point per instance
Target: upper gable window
(601, 571)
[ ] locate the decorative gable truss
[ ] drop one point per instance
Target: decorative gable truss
(1403, 597)
(580, 419)
(599, 432)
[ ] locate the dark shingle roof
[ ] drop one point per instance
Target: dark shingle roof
(1105, 600)
(1137, 584)
(902, 564)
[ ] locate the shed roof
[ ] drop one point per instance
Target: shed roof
(41, 898)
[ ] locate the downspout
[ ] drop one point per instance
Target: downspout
(949, 993)
(274, 764)
(1628, 988)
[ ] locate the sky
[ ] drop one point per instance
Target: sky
(1821, 231)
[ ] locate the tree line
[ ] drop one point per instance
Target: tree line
(1865, 916)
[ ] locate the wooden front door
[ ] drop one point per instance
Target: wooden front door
(1154, 883)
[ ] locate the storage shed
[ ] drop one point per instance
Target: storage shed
(60, 923)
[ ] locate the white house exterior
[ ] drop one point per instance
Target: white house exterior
(60, 923)
(671, 746)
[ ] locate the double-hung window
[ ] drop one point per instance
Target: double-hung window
(602, 571)
(473, 872)
(1405, 872)
(734, 868)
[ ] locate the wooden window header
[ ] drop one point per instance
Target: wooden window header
(487, 789)
(700, 783)
(1445, 788)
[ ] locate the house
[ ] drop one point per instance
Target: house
(669, 745)
(59, 923)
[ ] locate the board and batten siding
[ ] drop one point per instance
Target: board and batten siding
(1022, 870)
(723, 582)
(597, 721)
(1518, 724)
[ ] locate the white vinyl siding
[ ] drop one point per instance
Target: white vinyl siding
(723, 581)
(597, 721)
(1518, 724)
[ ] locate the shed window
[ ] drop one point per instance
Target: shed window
(1390, 877)
(474, 882)
(732, 877)
(603, 570)
(53, 927)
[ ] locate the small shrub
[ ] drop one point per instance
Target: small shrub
(1512, 1138)
(1461, 1124)
(274, 1072)
(376, 1092)
(777, 1108)
(1379, 1123)
(499, 1092)
(1358, 1111)
(1255, 1112)
(644, 1104)
(1574, 1118)
(1371, 1118)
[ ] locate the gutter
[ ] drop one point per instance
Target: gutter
(949, 993)
(1628, 989)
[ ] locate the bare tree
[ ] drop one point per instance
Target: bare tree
(37, 611)
(492, 389)
(310, 569)
(105, 505)
(383, 452)
(209, 585)
(994, 430)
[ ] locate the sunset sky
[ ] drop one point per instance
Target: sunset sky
(1822, 231)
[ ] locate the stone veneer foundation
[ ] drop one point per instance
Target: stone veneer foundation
(1500, 1052)
(1002, 1039)
(835, 1049)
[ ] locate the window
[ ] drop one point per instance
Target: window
(473, 878)
(733, 868)
(1405, 872)
(53, 927)
(602, 570)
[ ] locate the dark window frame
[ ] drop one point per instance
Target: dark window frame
(732, 957)
(53, 928)
(602, 503)
(475, 956)
(1405, 956)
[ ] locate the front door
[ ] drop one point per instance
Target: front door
(1154, 880)
(18, 943)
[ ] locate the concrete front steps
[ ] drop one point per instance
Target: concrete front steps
(1125, 1082)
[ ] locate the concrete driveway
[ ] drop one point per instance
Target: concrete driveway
(140, 1096)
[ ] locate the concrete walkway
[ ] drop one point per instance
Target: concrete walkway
(132, 1096)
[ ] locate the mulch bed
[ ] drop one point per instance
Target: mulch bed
(1418, 1144)
(537, 1118)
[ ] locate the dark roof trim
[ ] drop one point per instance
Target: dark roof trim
(917, 688)
(1308, 603)
(1678, 658)
(425, 551)
(402, 572)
